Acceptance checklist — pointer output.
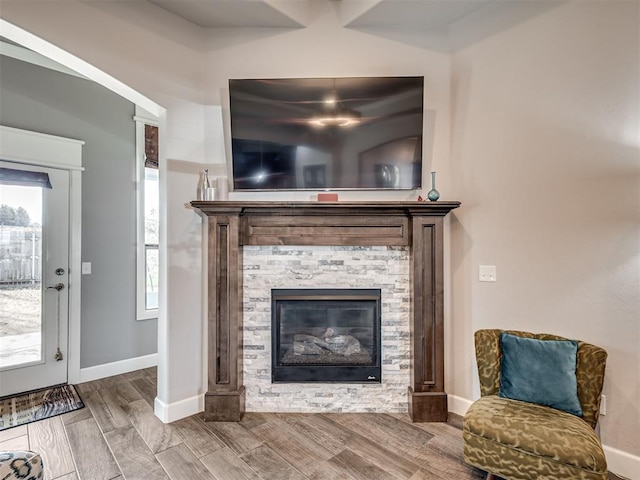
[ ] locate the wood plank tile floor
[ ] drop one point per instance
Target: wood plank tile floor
(117, 436)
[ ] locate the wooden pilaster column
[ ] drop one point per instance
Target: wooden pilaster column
(225, 397)
(427, 398)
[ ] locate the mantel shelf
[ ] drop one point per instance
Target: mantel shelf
(325, 208)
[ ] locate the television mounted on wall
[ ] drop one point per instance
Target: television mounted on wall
(327, 133)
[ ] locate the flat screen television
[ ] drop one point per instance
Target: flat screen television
(327, 133)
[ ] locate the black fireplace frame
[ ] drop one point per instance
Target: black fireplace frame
(327, 373)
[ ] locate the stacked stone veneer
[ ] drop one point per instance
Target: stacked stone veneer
(386, 268)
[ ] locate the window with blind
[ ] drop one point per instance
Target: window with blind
(148, 231)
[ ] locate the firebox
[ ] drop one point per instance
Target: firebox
(325, 335)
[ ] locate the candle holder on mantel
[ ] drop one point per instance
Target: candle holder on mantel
(433, 194)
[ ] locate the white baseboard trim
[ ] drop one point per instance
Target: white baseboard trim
(118, 368)
(170, 412)
(621, 463)
(458, 405)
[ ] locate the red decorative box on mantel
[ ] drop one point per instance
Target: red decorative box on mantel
(327, 197)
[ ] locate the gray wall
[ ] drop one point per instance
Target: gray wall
(42, 100)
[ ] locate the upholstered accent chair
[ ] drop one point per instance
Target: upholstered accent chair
(519, 440)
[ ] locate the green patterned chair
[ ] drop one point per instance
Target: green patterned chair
(518, 440)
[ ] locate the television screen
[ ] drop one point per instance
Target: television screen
(327, 133)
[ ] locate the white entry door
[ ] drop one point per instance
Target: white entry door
(34, 272)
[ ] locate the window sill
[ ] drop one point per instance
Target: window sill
(147, 315)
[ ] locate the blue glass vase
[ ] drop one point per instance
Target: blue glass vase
(433, 194)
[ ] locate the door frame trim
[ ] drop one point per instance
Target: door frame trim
(43, 150)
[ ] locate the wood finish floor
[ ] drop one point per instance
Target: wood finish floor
(117, 436)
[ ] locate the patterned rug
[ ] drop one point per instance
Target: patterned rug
(37, 405)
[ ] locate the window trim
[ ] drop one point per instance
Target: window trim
(141, 311)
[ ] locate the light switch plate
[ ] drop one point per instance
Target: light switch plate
(86, 268)
(487, 273)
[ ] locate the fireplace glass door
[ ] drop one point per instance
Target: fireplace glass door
(326, 335)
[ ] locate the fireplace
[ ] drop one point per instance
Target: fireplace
(325, 335)
(232, 225)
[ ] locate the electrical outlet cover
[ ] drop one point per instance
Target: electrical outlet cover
(487, 273)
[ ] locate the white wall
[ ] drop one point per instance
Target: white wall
(546, 160)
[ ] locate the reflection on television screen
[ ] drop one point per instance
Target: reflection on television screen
(327, 133)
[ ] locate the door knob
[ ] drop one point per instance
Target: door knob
(57, 286)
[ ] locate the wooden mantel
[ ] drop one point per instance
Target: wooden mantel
(232, 224)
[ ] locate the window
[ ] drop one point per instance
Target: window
(148, 198)
(151, 197)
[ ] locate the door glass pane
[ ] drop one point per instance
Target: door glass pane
(20, 275)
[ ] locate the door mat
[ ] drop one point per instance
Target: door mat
(38, 404)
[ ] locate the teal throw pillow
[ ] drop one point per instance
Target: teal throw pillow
(540, 371)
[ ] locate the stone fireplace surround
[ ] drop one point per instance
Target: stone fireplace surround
(232, 225)
(269, 267)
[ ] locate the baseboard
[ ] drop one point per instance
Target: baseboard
(118, 368)
(458, 405)
(621, 463)
(170, 412)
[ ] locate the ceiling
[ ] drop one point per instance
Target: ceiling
(231, 13)
(292, 13)
(443, 25)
